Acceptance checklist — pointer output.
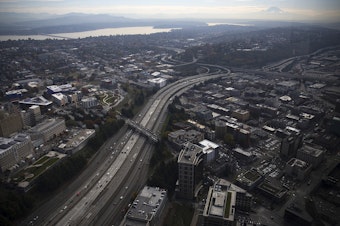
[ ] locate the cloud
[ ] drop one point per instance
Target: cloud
(30, 1)
(246, 9)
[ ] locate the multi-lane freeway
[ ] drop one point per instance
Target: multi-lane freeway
(100, 197)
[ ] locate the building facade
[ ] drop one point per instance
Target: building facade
(312, 154)
(13, 150)
(10, 123)
(190, 170)
(47, 130)
(89, 102)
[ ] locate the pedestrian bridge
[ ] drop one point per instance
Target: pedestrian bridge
(149, 134)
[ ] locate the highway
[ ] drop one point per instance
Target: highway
(121, 170)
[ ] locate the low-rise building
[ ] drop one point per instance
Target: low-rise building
(219, 209)
(298, 168)
(243, 198)
(250, 179)
(179, 137)
(65, 88)
(47, 130)
(60, 99)
(77, 141)
(242, 155)
(40, 101)
(272, 191)
(157, 82)
(147, 207)
(240, 114)
(13, 150)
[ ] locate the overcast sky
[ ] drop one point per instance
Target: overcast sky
(247, 9)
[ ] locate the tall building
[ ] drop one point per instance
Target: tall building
(291, 142)
(10, 123)
(36, 113)
(31, 116)
(13, 150)
(220, 129)
(243, 137)
(311, 153)
(26, 118)
(190, 170)
(219, 208)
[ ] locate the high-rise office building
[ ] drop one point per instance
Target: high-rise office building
(190, 170)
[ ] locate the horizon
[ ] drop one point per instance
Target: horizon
(278, 10)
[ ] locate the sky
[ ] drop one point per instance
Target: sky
(315, 10)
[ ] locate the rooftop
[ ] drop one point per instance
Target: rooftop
(146, 204)
(61, 88)
(45, 125)
(207, 144)
(249, 178)
(269, 188)
(293, 162)
(6, 143)
(220, 203)
(58, 96)
(190, 154)
(77, 138)
(315, 151)
(243, 152)
(41, 101)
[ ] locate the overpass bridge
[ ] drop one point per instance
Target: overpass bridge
(149, 134)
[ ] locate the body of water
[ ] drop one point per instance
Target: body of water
(216, 24)
(92, 33)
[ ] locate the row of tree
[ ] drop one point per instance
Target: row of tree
(13, 205)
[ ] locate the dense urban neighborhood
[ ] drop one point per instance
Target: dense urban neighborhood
(205, 125)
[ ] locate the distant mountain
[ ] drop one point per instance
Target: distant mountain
(74, 19)
(10, 18)
(274, 10)
(29, 24)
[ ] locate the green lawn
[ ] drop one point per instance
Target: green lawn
(38, 170)
(41, 160)
(45, 161)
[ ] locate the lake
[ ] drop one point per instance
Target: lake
(93, 33)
